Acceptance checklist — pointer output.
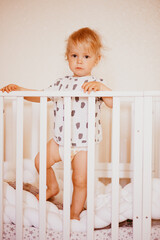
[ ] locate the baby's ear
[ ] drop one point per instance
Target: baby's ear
(97, 59)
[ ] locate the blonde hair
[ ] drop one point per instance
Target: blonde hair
(87, 36)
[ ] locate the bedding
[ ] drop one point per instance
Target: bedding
(54, 207)
(54, 212)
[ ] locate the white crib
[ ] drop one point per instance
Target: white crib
(139, 170)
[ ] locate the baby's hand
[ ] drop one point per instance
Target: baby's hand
(10, 88)
(93, 86)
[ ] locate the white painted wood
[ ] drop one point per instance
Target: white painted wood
(137, 171)
(90, 168)
(13, 134)
(35, 130)
(155, 142)
(1, 164)
(42, 171)
(147, 168)
(77, 93)
(157, 138)
(132, 138)
(19, 170)
(67, 168)
(115, 166)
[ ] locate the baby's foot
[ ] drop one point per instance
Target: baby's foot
(50, 193)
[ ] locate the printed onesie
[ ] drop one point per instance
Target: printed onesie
(79, 111)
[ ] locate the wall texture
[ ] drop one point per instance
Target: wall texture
(32, 46)
(33, 35)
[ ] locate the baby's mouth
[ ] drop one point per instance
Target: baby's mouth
(79, 68)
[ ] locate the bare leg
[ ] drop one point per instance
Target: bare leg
(52, 157)
(79, 179)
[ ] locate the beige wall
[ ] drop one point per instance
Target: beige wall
(32, 46)
(33, 33)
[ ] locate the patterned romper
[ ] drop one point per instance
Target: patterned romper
(79, 113)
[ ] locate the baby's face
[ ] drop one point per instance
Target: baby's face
(81, 60)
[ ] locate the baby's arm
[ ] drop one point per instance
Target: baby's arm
(14, 87)
(98, 86)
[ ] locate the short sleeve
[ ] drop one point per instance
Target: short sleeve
(53, 87)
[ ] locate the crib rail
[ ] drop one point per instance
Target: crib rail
(142, 150)
(81, 94)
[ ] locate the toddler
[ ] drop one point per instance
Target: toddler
(83, 52)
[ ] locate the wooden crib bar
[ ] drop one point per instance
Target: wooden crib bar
(147, 166)
(67, 168)
(115, 166)
(137, 168)
(90, 168)
(35, 130)
(42, 171)
(19, 170)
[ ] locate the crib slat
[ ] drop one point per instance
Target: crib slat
(35, 130)
(42, 171)
(115, 166)
(156, 139)
(19, 170)
(137, 168)
(90, 168)
(13, 133)
(147, 168)
(67, 168)
(1, 164)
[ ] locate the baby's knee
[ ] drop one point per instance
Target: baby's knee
(55, 189)
(36, 161)
(79, 181)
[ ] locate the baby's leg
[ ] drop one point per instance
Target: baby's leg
(52, 157)
(79, 179)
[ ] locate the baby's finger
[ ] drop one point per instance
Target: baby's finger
(6, 89)
(12, 88)
(85, 88)
(9, 88)
(91, 88)
(84, 84)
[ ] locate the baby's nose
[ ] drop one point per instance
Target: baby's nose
(79, 60)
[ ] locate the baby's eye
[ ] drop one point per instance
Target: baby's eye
(86, 56)
(74, 55)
